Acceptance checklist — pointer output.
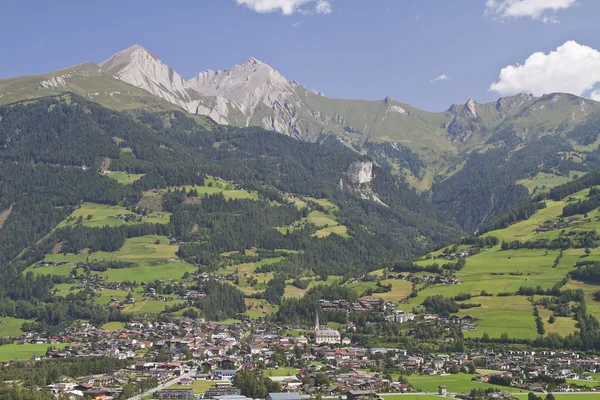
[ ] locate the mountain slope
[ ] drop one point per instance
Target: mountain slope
(453, 156)
(86, 79)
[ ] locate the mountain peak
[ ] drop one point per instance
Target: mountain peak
(252, 61)
(139, 67)
(247, 84)
(133, 54)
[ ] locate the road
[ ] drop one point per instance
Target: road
(162, 386)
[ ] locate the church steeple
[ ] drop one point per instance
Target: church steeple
(317, 322)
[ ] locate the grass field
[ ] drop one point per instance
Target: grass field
(455, 383)
(498, 315)
(326, 221)
(531, 268)
(155, 261)
(124, 178)
(562, 325)
(113, 326)
(11, 326)
(259, 308)
(543, 181)
(282, 371)
(199, 386)
(400, 290)
(25, 351)
(105, 215)
(412, 397)
(213, 186)
(495, 271)
(338, 230)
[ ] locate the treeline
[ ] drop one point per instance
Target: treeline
(222, 301)
(517, 213)
(409, 266)
(105, 265)
(583, 206)
(539, 323)
(254, 384)
(587, 273)
(440, 305)
(275, 290)
(575, 239)
(46, 372)
(217, 225)
(590, 179)
(302, 311)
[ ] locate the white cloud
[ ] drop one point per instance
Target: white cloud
(323, 7)
(534, 9)
(442, 77)
(288, 7)
(571, 68)
(550, 20)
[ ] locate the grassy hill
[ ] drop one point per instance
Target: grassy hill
(503, 270)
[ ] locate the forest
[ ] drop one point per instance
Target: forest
(49, 168)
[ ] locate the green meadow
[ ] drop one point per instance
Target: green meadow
(544, 181)
(199, 386)
(95, 215)
(497, 315)
(15, 351)
(154, 256)
(215, 185)
(10, 326)
(455, 383)
(122, 177)
(497, 271)
(281, 371)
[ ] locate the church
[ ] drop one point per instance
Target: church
(325, 335)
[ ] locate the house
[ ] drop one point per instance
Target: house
(283, 396)
(362, 395)
(219, 391)
(225, 374)
(179, 394)
(185, 381)
(442, 390)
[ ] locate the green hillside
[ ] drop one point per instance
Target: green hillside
(156, 202)
(547, 259)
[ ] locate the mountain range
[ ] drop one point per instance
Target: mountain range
(450, 156)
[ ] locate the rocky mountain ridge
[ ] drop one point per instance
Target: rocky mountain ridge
(254, 93)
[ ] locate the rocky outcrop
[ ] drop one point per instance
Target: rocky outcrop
(358, 180)
(360, 172)
(505, 105)
(464, 120)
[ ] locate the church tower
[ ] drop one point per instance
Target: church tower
(317, 322)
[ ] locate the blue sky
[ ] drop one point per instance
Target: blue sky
(362, 49)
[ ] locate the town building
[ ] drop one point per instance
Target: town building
(325, 335)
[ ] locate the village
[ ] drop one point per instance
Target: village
(304, 361)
